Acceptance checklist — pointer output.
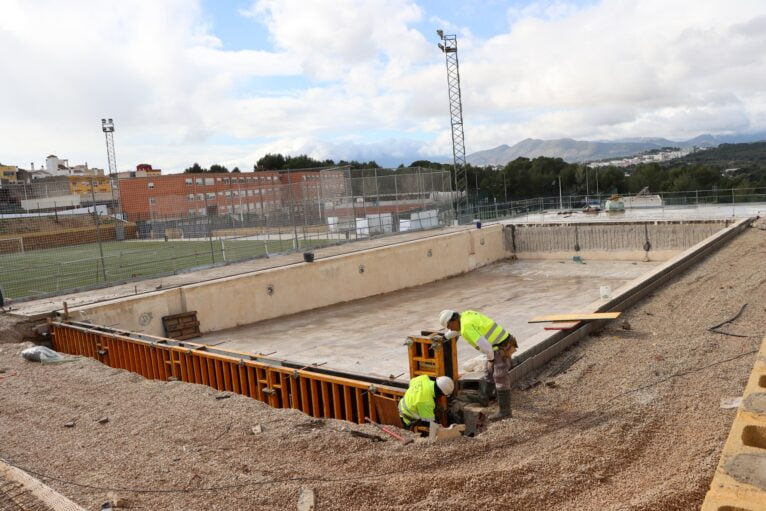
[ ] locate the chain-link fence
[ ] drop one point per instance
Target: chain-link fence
(702, 204)
(54, 238)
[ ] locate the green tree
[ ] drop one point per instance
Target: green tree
(218, 168)
(194, 169)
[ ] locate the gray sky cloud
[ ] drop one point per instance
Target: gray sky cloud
(359, 77)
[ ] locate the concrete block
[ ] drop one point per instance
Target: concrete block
(739, 482)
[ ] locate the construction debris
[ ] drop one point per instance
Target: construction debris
(306, 500)
(390, 432)
(256, 429)
(118, 501)
(69, 424)
(103, 420)
(437, 433)
(360, 434)
(731, 402)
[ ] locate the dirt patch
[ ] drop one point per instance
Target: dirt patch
(14, 329)
(635, 424)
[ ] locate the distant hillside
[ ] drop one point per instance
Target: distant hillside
(751, 155)
(574, 151)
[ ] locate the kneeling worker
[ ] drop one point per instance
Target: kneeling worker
(419, 402)
(485, 335)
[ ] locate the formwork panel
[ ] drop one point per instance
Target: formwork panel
(317, 394)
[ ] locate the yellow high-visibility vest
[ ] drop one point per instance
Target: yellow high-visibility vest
(419, 401)
(474, 325)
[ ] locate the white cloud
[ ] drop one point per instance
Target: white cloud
(369, 81)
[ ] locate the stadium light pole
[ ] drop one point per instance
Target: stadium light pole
(107, 126)
(448, 46)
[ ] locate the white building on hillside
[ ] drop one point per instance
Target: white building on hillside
(58, 167)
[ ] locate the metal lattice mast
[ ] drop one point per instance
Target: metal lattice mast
(449, 47)
(107, 126)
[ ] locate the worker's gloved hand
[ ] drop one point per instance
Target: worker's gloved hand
(485, 347)
(451, 334)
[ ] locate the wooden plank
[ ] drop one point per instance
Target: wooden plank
(387, 410)
(575, 317)
(43, 493)
(564, 325)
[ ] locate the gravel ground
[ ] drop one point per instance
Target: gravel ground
(620, 430)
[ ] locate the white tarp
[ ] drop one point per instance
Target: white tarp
(424, 219)
(60, 201)
(100, 209)
(362, 227)
(381, 223)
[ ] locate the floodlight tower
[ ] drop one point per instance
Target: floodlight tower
(107, 126)
(448, 46)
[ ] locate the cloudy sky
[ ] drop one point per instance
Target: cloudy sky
(226, 81)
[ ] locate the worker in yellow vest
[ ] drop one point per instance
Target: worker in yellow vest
(485, 335)
(419, 402)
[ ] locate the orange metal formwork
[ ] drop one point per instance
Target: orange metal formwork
(435, 356)
(317, 392)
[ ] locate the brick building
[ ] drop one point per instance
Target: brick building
(183, 195)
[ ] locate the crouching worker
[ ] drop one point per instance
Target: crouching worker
(418, 406)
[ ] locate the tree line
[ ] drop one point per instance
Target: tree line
(525, 178)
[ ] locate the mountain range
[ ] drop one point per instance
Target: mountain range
(574, 151)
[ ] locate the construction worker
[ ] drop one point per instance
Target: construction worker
(488, 337)
(419, 402)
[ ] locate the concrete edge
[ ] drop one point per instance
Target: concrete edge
(551, 345)
(739, 483)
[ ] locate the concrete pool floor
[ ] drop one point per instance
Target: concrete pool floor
(368, 335)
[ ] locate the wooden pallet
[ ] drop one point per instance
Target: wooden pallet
(181, 326)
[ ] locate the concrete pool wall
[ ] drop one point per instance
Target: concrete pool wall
(266, 294)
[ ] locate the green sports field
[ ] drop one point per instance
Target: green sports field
(54, 270)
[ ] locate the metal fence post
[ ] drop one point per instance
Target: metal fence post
(98, 229)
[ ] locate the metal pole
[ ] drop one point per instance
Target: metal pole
(561, 202)
(98, 229)
(209, 230)
(292, 211)
(396, 201)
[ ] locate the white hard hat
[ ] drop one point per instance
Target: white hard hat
(445, 384)
(445, 315)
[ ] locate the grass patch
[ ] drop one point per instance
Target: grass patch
(60, 269)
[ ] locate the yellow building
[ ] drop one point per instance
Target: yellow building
(8, 173)
(81, 185)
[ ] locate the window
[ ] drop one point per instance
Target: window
(226, 180)
(199, 181)
(152, 201)
(220, 194)
(200, 196)
(211, 195)
(188, 180)
(150, 185)
(209, 181)
(190, 197)
(192, 212)
(201, 211)
(228, 193)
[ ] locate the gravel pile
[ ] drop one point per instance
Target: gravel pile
(619, 430)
